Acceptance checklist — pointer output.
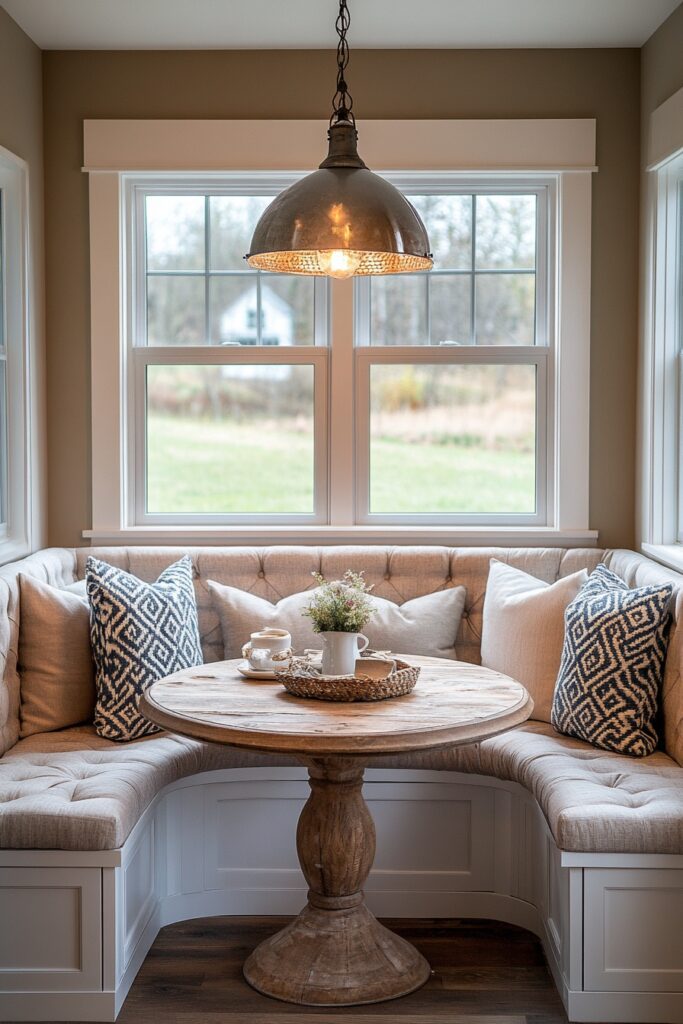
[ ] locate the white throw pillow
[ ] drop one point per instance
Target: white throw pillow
(426, 625)
(523, 629)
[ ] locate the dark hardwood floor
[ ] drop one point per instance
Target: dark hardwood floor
(484, 973)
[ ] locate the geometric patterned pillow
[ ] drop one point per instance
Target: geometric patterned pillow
(139, 632)
(612, 660)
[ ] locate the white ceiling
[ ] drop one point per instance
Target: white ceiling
(267, 24)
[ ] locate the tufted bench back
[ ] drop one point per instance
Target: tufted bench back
(397, 573)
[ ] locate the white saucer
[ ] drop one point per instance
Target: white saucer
(245, 669)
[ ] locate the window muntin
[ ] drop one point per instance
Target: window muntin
(474, 278)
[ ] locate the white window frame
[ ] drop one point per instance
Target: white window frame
(661, 383)
(540, 355)
(16, 532)
(138, 355)
(558, 155)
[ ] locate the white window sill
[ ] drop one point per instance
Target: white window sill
(11, 550)
(476, 536)
(670, 555)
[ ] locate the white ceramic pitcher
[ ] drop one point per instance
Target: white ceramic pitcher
(340, 651)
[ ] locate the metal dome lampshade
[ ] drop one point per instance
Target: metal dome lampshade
(342, 219)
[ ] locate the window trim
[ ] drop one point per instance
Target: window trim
(496, 147)
(661, 384)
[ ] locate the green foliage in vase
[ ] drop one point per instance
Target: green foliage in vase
(340, 606)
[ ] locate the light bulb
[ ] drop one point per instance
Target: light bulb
(339, 263)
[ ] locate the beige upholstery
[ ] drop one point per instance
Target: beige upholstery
(593, 801)
(56, 566)
(397, 573)
(72, 790)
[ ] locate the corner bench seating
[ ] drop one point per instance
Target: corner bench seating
(101, 844)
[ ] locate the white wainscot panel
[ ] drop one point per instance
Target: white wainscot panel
(50, 929)
(436, 837)
(250, 835)
(633, 931)
(139, 891)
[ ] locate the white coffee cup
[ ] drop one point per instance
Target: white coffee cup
(264, 647)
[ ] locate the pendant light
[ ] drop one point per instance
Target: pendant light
(342, 219)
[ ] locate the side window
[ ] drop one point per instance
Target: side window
(14, 340)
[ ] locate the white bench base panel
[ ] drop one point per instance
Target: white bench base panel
(448, 845)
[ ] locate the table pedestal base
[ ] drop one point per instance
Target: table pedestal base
(336, 953)
(336, 958)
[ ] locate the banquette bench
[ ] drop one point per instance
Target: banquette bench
(101, 844)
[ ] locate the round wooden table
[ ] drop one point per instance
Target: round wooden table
(336, 953)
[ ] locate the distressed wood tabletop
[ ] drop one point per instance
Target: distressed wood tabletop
(453, 703)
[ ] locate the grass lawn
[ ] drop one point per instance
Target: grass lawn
(213, 467)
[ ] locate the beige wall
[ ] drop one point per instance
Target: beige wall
(515, 83)
(662, 64)
(21, 131)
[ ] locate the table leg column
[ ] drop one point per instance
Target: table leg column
(336, 953)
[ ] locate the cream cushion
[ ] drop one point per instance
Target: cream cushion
(523, 629)
(55, 663)
(426, 625)
(73, 790)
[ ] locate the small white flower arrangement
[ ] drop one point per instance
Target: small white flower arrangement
(340, 606)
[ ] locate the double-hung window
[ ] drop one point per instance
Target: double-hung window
(231, 371)
(230, 402)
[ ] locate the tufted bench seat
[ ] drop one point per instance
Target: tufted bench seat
(102, 843)
(73, 790)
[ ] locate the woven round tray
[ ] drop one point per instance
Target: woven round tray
(351, 688)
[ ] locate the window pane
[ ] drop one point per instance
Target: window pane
(2, 277)
(175, 310)
(399, 310)
(3, 442)
(232, 223)
(230, 439)
(175, 233)
(452, 439)
(448, 220)
(506, 309)
(506, 232)
(450, 302)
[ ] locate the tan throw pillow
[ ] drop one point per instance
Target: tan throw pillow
(55, 663)
(425, 625)
(523, 629)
